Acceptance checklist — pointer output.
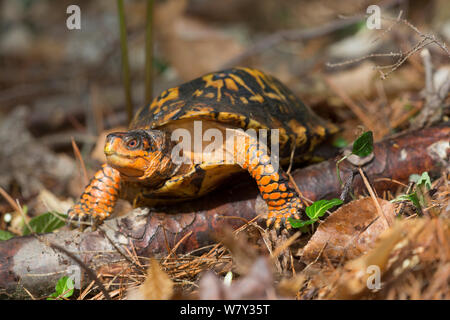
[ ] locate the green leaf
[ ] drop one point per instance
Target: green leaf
(318, 208)
(295, 223)
(363, 146)
(408, 197)
(46, 222)
(63, 289)
(402, 197)
(5, 235)
(424, 180)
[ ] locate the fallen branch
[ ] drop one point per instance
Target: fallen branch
(27, 264)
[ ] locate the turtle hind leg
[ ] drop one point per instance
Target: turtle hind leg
(98, 200)
(280, 195)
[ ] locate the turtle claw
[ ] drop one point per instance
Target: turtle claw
(73, 220)
(276, 221)
(269, 222)
(69, 220)
(77, 219)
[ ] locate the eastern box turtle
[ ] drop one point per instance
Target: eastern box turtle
(141, 164)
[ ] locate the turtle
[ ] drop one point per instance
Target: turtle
(150, 165)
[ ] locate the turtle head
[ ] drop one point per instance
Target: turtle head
(139, 154)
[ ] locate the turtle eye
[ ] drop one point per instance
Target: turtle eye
(132, 143)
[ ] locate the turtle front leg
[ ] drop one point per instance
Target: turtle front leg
(274, 185)
(98, 199)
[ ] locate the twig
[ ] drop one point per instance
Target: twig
(29, 293)
(421, 44)
(177, 245)
(80, 159)
(373, 196)
(103, 232)
(372, 55)
(125, 63)
(285, 244)
(291, 160)
(149, 53)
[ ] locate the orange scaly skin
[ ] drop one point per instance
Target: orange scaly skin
(275, 188)
(99, 197)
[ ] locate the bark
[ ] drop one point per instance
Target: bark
(32, 264)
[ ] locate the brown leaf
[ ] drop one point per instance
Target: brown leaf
(354, 278)
(348, 232)
(157, 285)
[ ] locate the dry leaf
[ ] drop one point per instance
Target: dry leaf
(348, 232)
(354, 279)
(410, 260)
(157, 285)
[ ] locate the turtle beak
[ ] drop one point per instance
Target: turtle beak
(111, 142)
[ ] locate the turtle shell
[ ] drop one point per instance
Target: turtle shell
(241, 97)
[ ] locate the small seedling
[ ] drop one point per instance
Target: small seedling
(314, 212)
(418, 196)
(362, 147)
(63, 289)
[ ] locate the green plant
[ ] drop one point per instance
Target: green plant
(314, 212)
(418, 196)
(43, 223)
(5, 235)
(63, 289)
(362, 147)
